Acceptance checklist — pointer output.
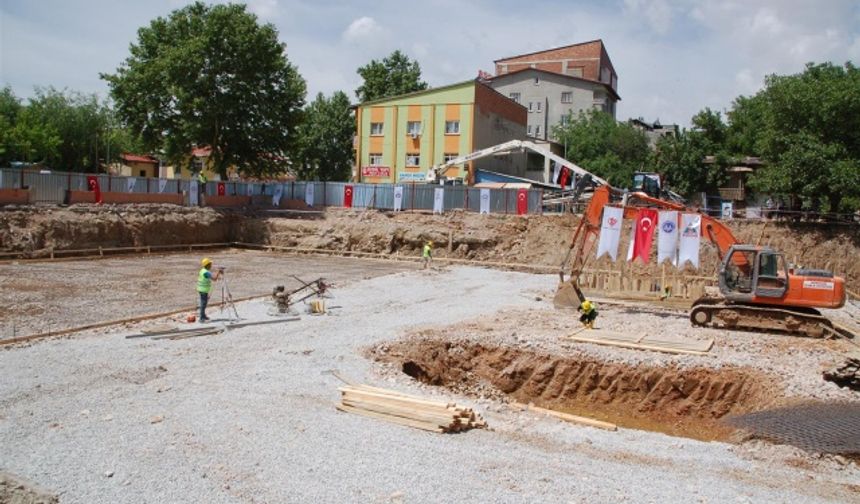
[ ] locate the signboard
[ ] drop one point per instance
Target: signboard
(411, 177)
(726, 210)
(375, 171)
(817, 284)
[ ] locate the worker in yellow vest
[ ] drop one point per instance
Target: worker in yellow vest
(589, 313)
(204, 285)
(427, 254)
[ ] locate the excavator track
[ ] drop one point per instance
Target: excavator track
(802, 322)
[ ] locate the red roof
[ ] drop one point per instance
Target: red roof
(136, 158)
(204, 151)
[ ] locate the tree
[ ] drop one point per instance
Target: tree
(211, 75)
(326, 139)
(394, 75)
(809, 135)
(603, 146)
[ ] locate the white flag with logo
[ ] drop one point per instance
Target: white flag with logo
(309, 194)
(162, 185)
(726, 210)
(485, 201)
(667, 241)
(276, 198)
(438, 199)
(192, 193)
(398, 198)
(691, 233)
(130, 183)
(555, 172)
(610, 232)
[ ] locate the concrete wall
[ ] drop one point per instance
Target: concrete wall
(548, 92)
(498, 120)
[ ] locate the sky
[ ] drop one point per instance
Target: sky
(673, 57)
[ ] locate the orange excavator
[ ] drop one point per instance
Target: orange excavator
(757, 289)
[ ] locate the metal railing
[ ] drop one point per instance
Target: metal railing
(52, 188)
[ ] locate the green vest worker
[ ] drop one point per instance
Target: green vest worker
(201, 179)
(427, 254)
(204, 285)
(589, 313)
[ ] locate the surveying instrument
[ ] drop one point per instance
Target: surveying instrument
(226, 296)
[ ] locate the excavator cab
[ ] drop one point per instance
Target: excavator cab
(748, 271)
(648, 183)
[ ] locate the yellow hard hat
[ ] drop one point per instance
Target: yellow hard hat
(429, 243)
(206, 262)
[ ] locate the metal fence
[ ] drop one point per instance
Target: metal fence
(52, 187)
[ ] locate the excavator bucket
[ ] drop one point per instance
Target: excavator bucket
(568, 295)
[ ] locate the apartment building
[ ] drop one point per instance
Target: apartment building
(399, 138)
(559, 83)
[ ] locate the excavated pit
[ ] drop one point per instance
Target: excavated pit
(689, 402)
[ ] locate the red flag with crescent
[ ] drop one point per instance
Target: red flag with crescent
(645, 224)
(347, 196)
(522, 202)
(222, 189)
(93, 187)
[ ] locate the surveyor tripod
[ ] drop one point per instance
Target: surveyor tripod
(227, 297)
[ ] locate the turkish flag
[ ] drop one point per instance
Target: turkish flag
(93, 186)
(522, 202)
(564, 177)
(645, 224)
(347, 196)
(222, 189)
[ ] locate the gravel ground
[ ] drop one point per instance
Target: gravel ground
(49, 296)
(248, 416)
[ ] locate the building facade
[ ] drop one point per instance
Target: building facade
(398, 139)
(559, 83)
(654, 131)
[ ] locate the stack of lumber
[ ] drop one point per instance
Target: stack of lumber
(663, 343)
(409, 410)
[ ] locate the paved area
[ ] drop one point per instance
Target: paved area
(49, 296)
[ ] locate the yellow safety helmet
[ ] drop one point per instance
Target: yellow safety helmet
(206, 262)
(429, 243)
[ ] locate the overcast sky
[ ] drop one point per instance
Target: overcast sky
(673, 57)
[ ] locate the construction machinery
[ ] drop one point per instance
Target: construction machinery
(757, 288)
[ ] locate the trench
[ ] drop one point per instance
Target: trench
(688, 402)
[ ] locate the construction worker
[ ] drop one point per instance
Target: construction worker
(427, 254)
(589, 313)
(201, 179)
(204, 285)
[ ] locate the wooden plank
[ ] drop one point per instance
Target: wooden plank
(392, 419)
(389, 396)
(636, 346)
(440, 419)
(398, 403)
(567, 417)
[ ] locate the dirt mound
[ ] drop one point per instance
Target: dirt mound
(17, 490)
(686, 402)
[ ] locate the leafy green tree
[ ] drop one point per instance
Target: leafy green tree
(809, 135)
(394, 75)
(326, 139)
(211, 75)
(10, 107)
(605, 147)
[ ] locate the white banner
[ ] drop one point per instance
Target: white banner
(555, 170)
(192, 193)
(130, 183)
(691, 233)
(438, 199)
(726, 210)
(162, 185)
(610, 232)
(485, 201)
(398, 198)
(667, 240)
(309, 194)
(276, 197)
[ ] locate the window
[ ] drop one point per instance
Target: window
(515, 97)
(452, 127)
(450, 157)
(537, 130)
(575, 71)
(413, 127)
(565, 119)
(142, 173)
(375, 129)
(537, 81)
(375, 159)
(413, 159)
(537, 105)
(529, 130)
(567, 97)
(531, 107)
